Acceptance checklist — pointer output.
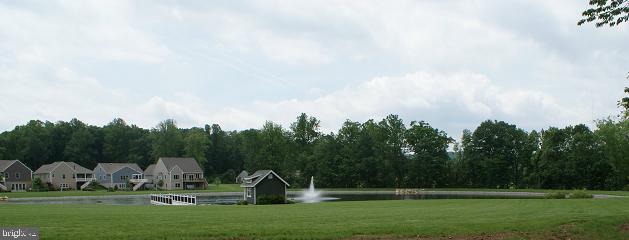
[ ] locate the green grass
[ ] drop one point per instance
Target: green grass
(617, 193)
(524, 218)
(211, 188)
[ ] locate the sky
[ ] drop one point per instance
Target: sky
(452, 64)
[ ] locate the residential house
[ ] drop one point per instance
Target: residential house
(263, 183)
(15, 176)
(64, 175)
(177, 173)
(112, 175)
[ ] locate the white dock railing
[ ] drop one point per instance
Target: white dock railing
(173, 199)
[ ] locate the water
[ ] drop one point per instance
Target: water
(228, 199)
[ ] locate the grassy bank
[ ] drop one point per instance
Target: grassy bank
(518, 218)
(211, 188)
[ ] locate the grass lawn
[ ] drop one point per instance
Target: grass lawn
(211, 188)
(512, 218)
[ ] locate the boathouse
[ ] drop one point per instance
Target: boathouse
(263, 183)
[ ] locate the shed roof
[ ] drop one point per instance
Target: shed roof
(258, 176)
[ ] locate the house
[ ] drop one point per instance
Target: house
(241, 176)
(176, 173)
(15, 176)
(263, 183)
(112, 175)
(64, 175)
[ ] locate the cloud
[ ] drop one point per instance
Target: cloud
(451, 63)
(441, 99)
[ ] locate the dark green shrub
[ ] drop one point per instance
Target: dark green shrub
(580, 194)
(555, 195)
(626, 188)
(242, 202)
(39, 186)
(270, 199)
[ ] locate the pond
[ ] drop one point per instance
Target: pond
(233, 198)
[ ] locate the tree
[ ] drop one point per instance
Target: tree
(572, 157)
(624, 103)
(429, 146)
(304, 132)
(606, 12)
(167, 140)
(497, 154)
(82, 148)
(196, 145)
(614, 136)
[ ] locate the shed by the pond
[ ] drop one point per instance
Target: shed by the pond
(263, 183)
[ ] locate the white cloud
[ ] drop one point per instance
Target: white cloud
(452, 63)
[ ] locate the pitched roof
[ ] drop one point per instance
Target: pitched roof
(4, 164)
(186, 164)
(149, 170)
(258, 176)
(243, 174)
(114, 167)
(47, 168)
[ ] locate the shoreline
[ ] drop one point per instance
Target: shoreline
(324, 192)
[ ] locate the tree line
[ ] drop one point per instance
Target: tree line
(384, 153)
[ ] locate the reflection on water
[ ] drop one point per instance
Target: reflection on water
(233, 199)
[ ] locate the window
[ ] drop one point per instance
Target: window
(63, 176)
(270, 176)
(6, 175)
(64, 186)
(175, 176)
(124, 177)
(177, 185)
(248, 192)
(190, 176)
(17, 175)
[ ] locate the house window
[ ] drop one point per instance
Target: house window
(270, 176)
(124, 177)
(64, 185)
(17, 175)
(6, 175)
(248, 192)
(177, 185)
(175, 176)
(63, 176)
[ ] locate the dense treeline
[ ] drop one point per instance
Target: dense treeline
(385, 153)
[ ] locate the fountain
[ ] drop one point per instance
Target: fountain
(312, 196)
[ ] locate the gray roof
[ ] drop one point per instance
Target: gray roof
(114, 167)
(75, 167)
(243, 174)
(149, 170)
(4, 164)
(187, 165)
(258, 176)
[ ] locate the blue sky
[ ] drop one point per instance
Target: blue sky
(240, 63)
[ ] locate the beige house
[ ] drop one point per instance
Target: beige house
(64, 175)
(176, 173)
